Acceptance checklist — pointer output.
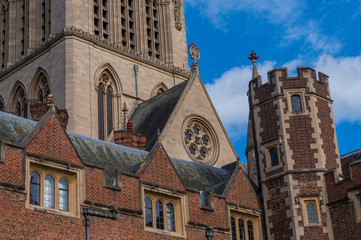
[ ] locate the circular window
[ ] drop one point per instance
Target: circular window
(200, 140)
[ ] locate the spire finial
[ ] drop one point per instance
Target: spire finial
(125, 112)
(195, 54)
(50, 101)
(253, 57)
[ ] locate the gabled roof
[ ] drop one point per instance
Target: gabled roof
(155, 112)
(113, 157)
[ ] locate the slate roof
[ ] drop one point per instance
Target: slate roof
(114, 157)
(155, 112)
(347, 159)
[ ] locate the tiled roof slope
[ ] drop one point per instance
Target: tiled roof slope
(155, 112)
(349, 158)
(113, 157)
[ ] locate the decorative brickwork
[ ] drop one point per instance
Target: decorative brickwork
(129, 139)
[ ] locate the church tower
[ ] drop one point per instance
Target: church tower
(91, 55)
(291, 143)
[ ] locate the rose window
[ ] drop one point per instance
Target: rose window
(199, 140)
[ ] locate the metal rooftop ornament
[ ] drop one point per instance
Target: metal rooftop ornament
(253, 57)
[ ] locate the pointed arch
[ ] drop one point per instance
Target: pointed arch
(40, 86)
(108, 91)
(158, 89)
(18, 104)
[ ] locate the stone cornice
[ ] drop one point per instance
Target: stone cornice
(116, 47)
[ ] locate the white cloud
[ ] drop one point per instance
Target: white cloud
(345, 83)
(229, 95)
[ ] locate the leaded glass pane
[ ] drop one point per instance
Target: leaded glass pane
(233, 228)
(274, 156)
(159, 214)
(296, 103)
(311, 213)
(250, 230)
(242, 234)
(100, 113)
(63, 195)
(49, 192)
(170, 217)
(35, 188)
(109, 110)
(148, 212)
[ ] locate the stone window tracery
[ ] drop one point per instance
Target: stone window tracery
(105, 105)
(200, 140)
(20, 103)
(43, 88)
(244, 227)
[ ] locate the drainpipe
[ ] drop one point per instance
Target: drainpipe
(87, 224)
(136, 69)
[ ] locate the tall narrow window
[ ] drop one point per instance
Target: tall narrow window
(159, 214)
(152, 29)
(43, 20)
(49, 192)
(101, 17)
(42, 87)
(22, 32)
(131, 23)
(311, 213)
(3, 23)
(170, 217)
(233, 228)
(35, 188)
(250, 230)
(63, 195)
(105, 105)
(148, 212)
(2, 108)
(242, 235)
(274, 156)
(296, 103)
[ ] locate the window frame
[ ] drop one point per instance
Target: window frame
(314, 200)
(301, 92)
(58, 171)
(266, 150)
(246, 216)
(165, 196)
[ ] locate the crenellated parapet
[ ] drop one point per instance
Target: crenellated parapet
(278, 80)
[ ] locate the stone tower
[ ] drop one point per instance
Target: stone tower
(291, 143)
(91, 55)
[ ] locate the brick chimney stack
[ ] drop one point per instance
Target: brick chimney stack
(39, 109)
(129, 139)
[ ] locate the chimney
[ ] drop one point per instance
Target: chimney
(39, 109)
(129, 139)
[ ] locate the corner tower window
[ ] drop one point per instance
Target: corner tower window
(274, 156)
(105, 105)
(296, 103)
(311, 213)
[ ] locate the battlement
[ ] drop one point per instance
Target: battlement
(278, 80)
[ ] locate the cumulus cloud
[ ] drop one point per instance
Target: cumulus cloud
(345, 84)
(229, 95)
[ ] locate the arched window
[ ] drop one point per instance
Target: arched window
(105, 105)
(250, 230)
(159, 214)
(311, 213)
(233, 228)
(35, 188)
(63, 195)
(49, 192)
(3, 32)
(296, 103)
(170, 217)
(43, 88)
(20, 103)
(274, 156)
(242, 235)
(148, 212)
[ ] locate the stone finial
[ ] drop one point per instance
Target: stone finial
(194, 53)
(253, 57)
(125, 112)
(50, 101)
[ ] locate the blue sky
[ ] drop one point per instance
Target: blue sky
(325, 35)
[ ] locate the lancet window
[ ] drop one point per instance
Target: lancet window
(152, 18)
(128, 22)
(45, 19)
(3, 23)
(43, 89)
(105, 93)
(101, 18)
(20, 103)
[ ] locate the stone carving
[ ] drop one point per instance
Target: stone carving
(194, 52)
(177, 14)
